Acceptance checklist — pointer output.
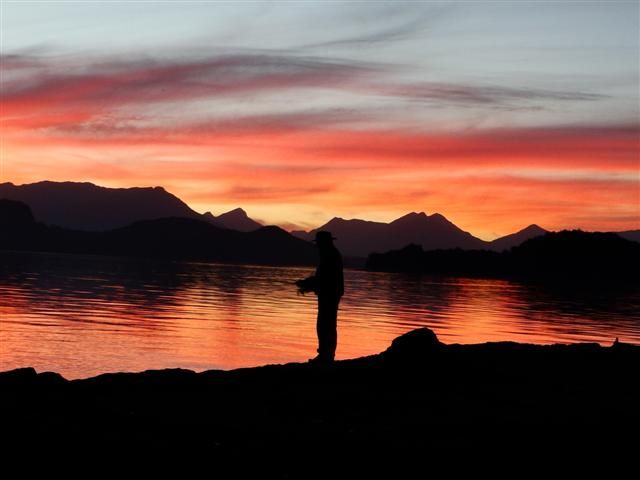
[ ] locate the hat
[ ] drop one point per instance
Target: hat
(323, 236)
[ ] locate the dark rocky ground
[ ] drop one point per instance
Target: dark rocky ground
(411, 406)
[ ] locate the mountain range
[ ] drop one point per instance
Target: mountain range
(564, 258)
(85, 206)
(175, 238)
(88, 207)
(359, 238)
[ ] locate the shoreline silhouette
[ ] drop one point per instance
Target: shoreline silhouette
(417, 396)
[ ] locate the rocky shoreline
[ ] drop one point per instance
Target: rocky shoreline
(418, 397)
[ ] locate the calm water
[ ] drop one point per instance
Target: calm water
(83, 316)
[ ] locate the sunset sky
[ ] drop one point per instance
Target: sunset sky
(494, 114)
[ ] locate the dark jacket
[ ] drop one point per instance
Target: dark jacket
(329, 277)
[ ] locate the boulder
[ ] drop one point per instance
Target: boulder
(413, 346)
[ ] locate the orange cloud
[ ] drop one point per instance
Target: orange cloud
(96, 123)
(487, 191)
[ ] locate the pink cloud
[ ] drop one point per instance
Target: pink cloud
(78, 122)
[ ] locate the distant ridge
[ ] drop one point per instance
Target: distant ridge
(165, 238)
(633, 235)
(602, 258)
(89, 207)
(515, 239)
(85, 206)
(359, 238)
(237, 219)
(14, 214)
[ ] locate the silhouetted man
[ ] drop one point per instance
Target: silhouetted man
(328, 285)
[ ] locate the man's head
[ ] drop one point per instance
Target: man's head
(324, 239)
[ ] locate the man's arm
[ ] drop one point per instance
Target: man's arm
(309, 284)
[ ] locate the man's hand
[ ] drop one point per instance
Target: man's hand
(306, 285)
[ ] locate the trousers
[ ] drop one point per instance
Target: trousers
(327, 326)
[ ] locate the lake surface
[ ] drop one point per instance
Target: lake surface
(82, 316)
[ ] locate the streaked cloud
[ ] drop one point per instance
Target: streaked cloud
(107, 96)
(384, 23)
(309, 111)
(67, 92)
(498, 96)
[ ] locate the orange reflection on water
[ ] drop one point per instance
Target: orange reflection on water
(86, 317)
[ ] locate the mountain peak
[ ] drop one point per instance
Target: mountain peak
(236, 212)
(409, 217)
(439, 219)
(339, 222)
(237, 219)
(532, 230)
(514, 239)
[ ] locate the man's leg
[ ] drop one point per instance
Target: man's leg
(326, 327)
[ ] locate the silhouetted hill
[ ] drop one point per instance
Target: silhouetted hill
(171, 238)
(575, 255)
(515, 239)
(633, 235)
(209, 217)
(84, 206)
(358, 238)
(354, 237)
(432, 232)
(193, 239)
(20, 231)
(14, 214)
(237, 219)
(589, 255)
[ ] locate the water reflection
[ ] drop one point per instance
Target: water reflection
(86, 315)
